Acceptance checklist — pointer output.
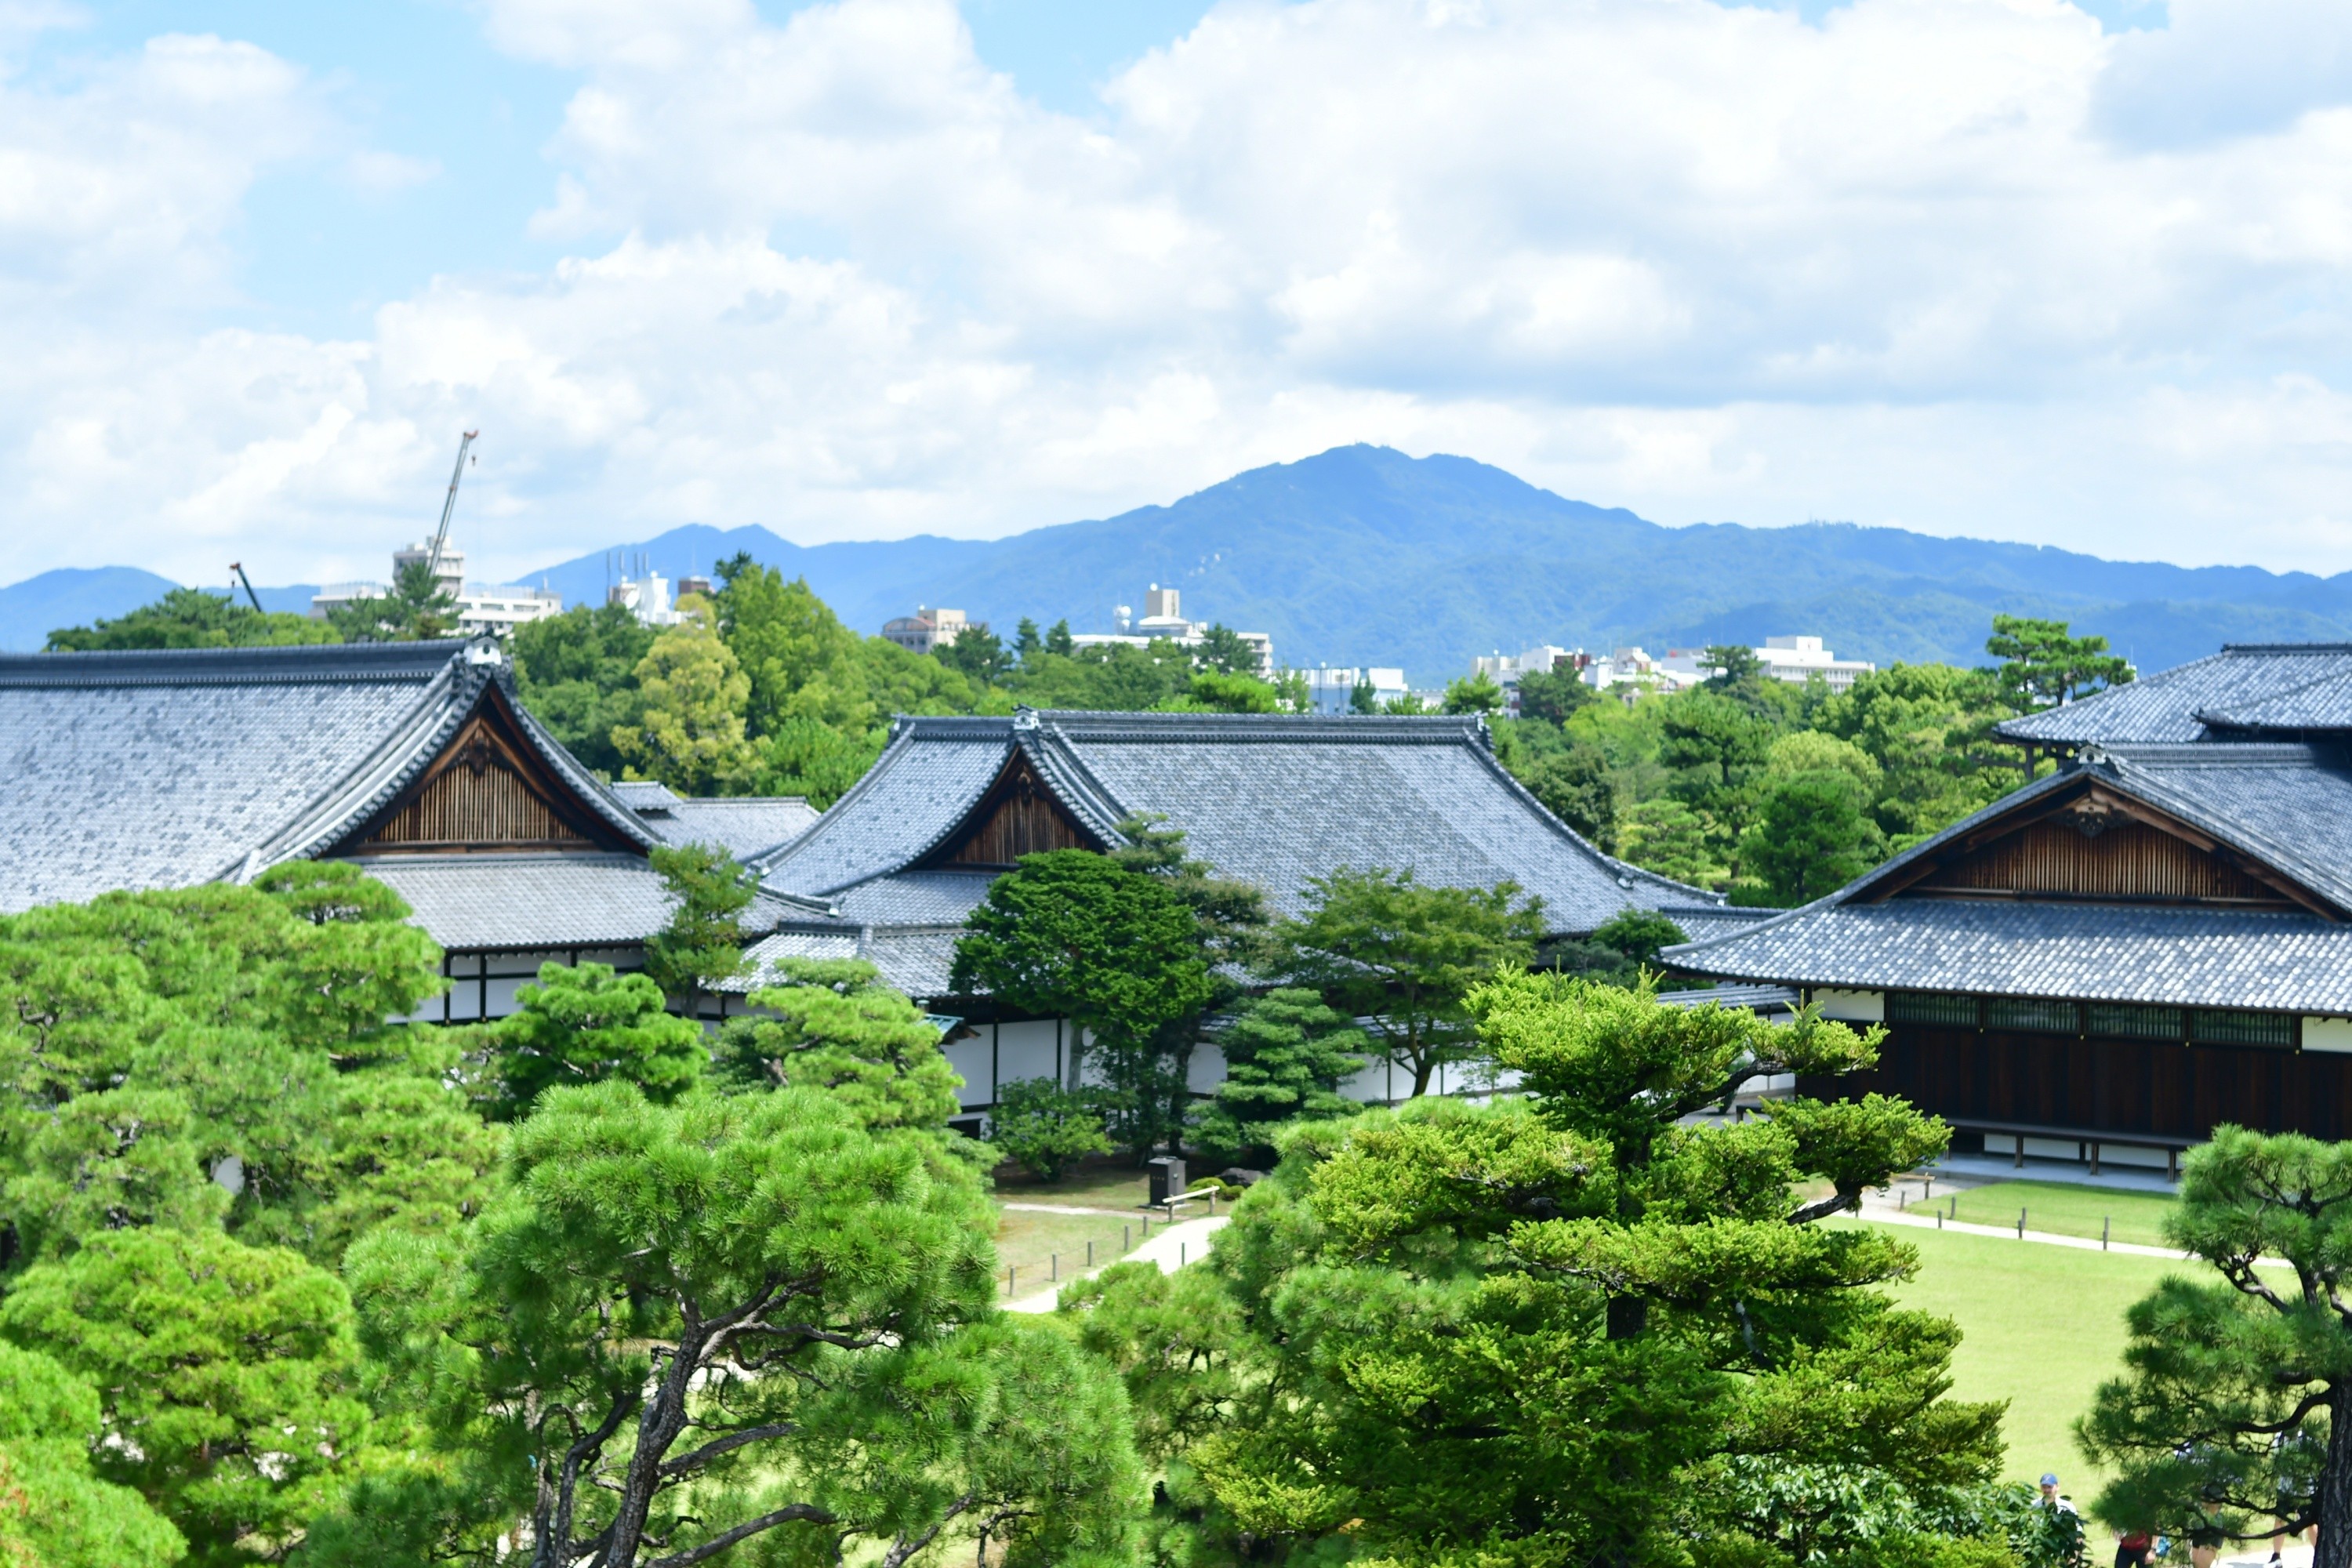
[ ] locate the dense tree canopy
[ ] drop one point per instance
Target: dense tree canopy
(193, 618)
(1407, 954)
(1570, 1329)
(1119, 953)
(754, 1316)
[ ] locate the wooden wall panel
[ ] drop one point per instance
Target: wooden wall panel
(1025, 822)
(2147, 1087)
(2125, 860)
(462, 806)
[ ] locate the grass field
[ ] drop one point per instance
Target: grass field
(1037, 1246)
(2062, 1209)
(2043, 1327)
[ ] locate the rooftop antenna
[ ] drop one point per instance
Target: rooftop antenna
(238, 567)
(433, 561)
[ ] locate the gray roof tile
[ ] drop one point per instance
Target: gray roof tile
(2166, 707)
(1269, 799)
(2187, 957)
(168, 768)
(534, 901)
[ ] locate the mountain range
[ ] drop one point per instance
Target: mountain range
(1363, 555)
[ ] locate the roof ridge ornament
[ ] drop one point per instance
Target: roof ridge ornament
(1025, 718)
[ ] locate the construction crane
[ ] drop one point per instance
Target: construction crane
(238, 567)
(432, 562)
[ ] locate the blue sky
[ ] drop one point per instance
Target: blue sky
(2066, 273)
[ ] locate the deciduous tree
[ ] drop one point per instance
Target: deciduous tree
(688, 731)
(193, 617)
(1072, 934)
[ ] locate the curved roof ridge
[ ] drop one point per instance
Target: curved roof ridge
(375, 778)
(294, 664)
(1060, 766)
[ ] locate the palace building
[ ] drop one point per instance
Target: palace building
(415, 761)
(171, 768)
(2112, 961)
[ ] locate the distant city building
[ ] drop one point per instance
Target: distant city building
(694, 585)
(1800, 658)
(481, 607)
(647, 598)
(1163, 620)
(928, 629)
(1505, 668)
(1334, 691)
(1630, 671)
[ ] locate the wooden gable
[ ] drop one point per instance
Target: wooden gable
(1018, 816)
(488, 790)
(2101, 845)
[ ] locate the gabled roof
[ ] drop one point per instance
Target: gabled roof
(1265, 798)
(174, 767)
(2288, 687)
(2283, 808)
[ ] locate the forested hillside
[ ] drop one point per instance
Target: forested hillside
(1362, 555)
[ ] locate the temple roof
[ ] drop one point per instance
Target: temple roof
(2284, 807)
(1265, 798)
(169, 768)
(2282, 687)
(743, 826)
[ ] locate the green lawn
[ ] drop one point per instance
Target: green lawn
(1038, 1246)
(2043, 1327)
(2062, 1209)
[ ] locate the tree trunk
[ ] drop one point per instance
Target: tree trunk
(658, 1425)
(2335, 1485)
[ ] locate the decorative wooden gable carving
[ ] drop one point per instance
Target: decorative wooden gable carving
(488, 790)
(1017, 816)
(2102, 846)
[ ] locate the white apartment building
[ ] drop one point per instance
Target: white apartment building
(1334, 691)
(481, 607)
(1799, 659)
(1163, 619)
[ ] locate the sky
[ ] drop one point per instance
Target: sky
(2069, 274)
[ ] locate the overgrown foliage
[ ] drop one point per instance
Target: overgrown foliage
(1120, 953)
(1382, 945)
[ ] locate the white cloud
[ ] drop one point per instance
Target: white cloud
(1931, 262)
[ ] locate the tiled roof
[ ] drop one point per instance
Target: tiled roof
(914, 958)
(929, 777)
(916, 898)
(743, 826)
(2288, 686)
(2287, 806)
(174, 767)
(533, 900)
(1269, 799)
(2186, 957)
(166, 769)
